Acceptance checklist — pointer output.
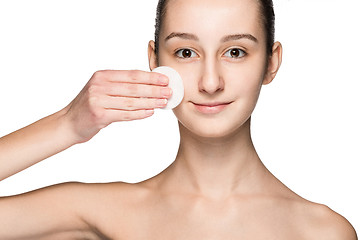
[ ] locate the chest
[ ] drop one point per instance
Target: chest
(181, 225)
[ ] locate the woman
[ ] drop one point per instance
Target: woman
(217, 187)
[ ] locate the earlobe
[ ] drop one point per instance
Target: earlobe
(274, 63)
(152, 56)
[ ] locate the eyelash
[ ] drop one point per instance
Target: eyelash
(178, 53)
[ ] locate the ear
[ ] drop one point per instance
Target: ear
(274, 63)
(152, 56)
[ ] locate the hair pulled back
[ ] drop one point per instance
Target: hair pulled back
(267, 15)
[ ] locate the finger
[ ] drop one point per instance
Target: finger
(137, 90)
(120, 115)
(134, 76)
(126, 103)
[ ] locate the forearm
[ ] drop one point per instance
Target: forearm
(109, 96)
(34, 143)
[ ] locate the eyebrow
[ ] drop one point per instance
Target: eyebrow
(190, 36)
(187, 36)
(239, 36)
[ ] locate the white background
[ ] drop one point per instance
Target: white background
(306, 125)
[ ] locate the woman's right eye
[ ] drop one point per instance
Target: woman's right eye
(185, 53)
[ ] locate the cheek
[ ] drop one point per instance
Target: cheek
(244, 81)
(190, 74)
(191, 82)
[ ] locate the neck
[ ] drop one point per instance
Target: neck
(217, 167)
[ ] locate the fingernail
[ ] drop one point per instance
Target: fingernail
(149, 112)
(161, 102)
(164, 80)
(166, 92)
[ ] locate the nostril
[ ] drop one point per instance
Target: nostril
(211, 85)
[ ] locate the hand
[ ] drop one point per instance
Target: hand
(114, 96)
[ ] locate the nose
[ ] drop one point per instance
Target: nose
(211, 80)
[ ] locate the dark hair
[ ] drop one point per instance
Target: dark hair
(267, 14)
(160, 13)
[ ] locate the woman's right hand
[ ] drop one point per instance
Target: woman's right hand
(109, 96)
(113, 96)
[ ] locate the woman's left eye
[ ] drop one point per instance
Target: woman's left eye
(235, 53)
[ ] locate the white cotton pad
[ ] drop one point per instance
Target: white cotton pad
(175, 83)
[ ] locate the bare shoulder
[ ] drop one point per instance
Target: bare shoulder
(108, 207)
(336, 226)
(321, 222)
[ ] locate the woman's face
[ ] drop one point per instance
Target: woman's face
(219, 49)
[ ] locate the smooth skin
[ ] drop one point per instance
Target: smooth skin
(217, 187)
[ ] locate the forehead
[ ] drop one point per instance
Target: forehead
(213, 17)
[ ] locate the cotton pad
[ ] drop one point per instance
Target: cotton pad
(175, 83)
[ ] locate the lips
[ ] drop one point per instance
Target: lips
(211, 108)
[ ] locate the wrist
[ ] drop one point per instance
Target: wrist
(65, 128)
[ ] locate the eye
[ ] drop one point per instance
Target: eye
(235, 53)
(185, 53)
